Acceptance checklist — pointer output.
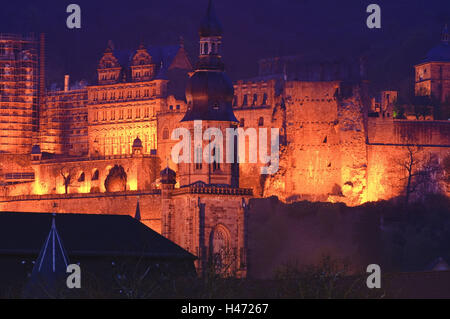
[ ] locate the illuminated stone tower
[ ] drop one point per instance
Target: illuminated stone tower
(209, 95)
(207, 214)
(433, 73)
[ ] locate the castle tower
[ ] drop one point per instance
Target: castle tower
(433, 73)
(207, 214)
(209, 95)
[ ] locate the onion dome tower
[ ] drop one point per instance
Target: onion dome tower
(209, 91)
(209, 95)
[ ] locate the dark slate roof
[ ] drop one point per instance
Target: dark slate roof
(440, 53)
(137, 142)
(164, 54)
(168, 176)
(52, 257)
(36, 149)
(85, 235)
(50, 267)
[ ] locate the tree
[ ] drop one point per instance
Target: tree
(67, 175)
(425, 104)
(422, 172)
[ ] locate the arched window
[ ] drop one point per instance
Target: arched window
(261, 121)
(215, 164)
(198, 158)
(255, 99)
(245, 102)
(95, 175)
(82, 177)
(264, 99)
(220, 248)
(165, 133)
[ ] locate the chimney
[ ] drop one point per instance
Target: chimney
(66, 83)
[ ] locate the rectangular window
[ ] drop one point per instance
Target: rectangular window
(138, 113)
(130, 113)
(113, 115)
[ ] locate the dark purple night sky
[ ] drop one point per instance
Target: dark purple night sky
(254, 29)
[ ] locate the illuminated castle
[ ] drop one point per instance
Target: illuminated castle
(103, 148)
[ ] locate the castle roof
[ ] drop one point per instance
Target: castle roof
(162, 56)
(441, 52)
(210, 25)
(210, 95)
(137, 142)
(168, 176)
(85, 235)
(50, 266)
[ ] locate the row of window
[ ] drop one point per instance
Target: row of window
(177, 107)
(255, 100)
(122, 145)
(108, 76)
(260, 122)
(144, 74)
(122, 115)
(121, 95)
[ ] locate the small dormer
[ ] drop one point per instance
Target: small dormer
(142, 68)
(137, 147)
(109, 68)
(36, 154)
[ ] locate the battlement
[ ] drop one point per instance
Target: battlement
(403, 132)
(214, 190)
(77, 195)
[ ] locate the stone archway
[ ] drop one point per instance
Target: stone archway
(116, 181)
(220, 249)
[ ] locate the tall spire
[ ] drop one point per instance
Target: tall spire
(210, 25)
(445, 35)
(137, 215)
(50, 267)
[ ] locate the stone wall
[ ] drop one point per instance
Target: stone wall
(121, 203)
(142, 172)
(310, 162)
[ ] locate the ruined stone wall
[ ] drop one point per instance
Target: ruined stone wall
(310, 162)
(121, 203)
(352, 115)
